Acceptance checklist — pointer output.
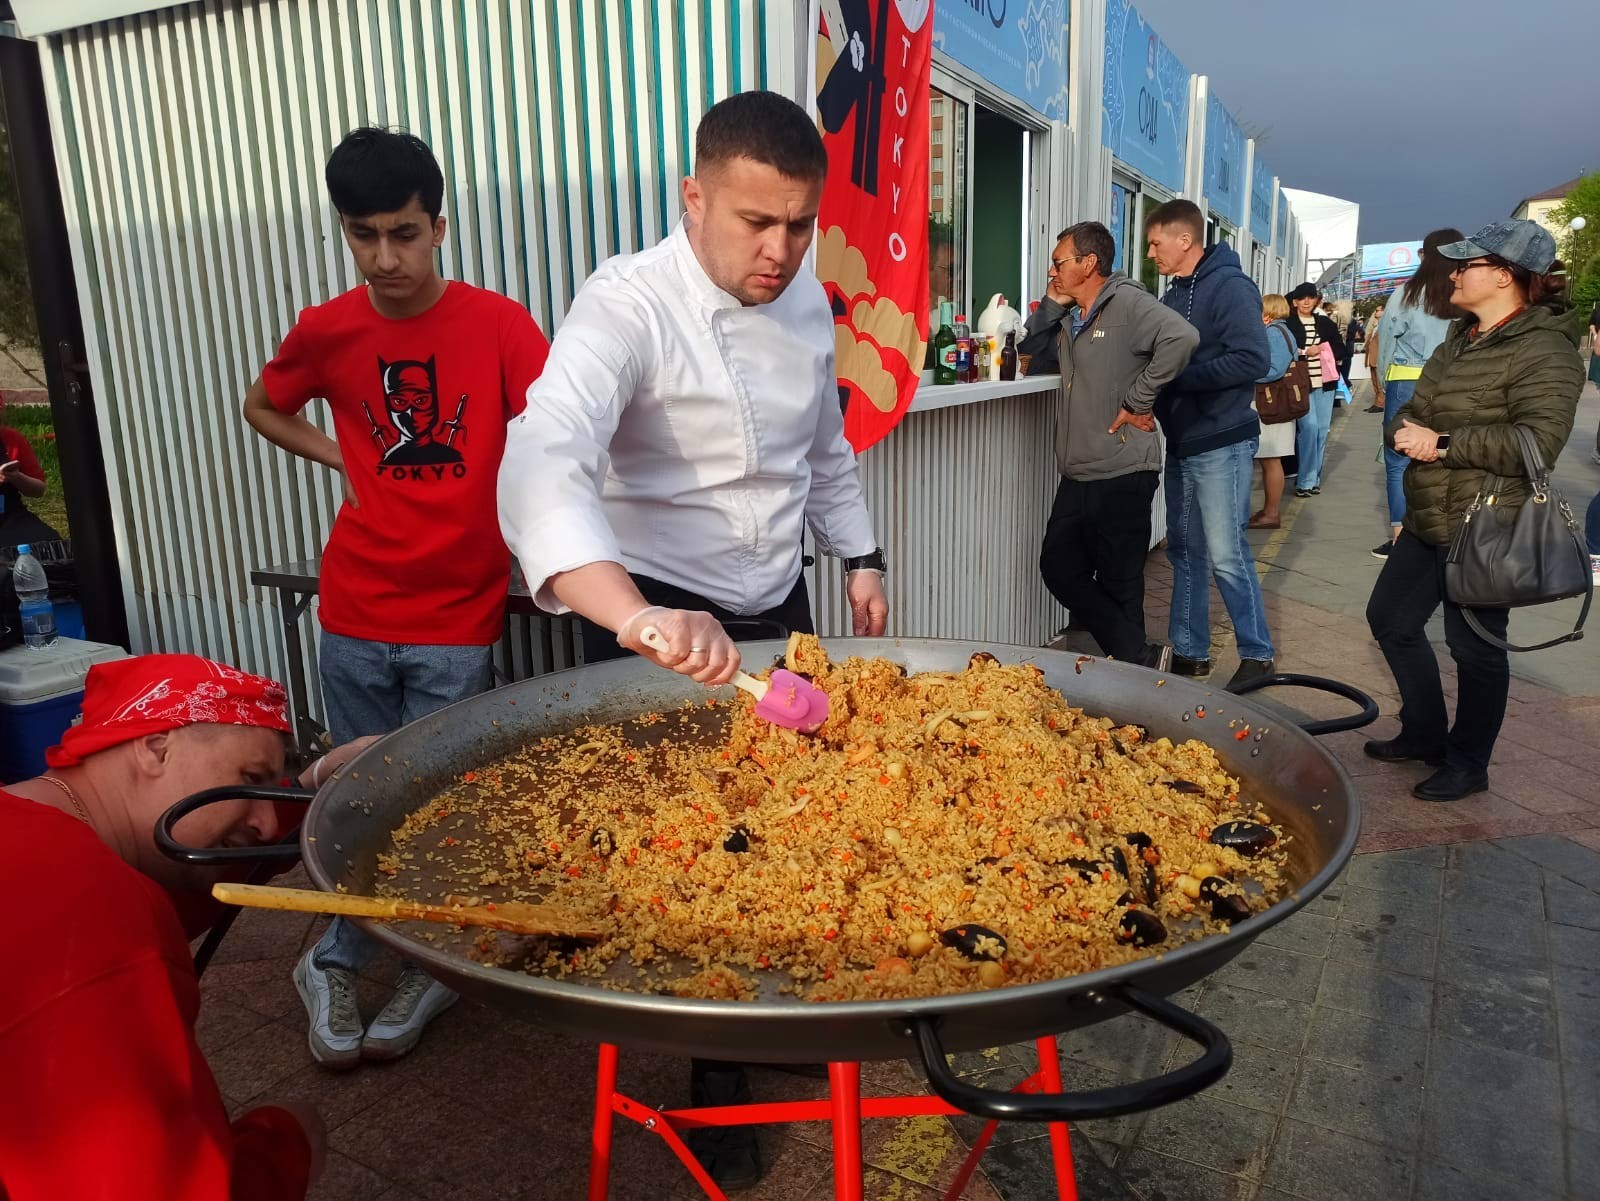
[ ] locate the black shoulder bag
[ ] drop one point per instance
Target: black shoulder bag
(1507, 557)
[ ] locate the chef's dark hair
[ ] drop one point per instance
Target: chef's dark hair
(765, 127)
(380, 170)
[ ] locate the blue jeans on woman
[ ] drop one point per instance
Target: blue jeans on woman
(1591, 525)
(1208, 507)
(1395, 393)
(1311, 437)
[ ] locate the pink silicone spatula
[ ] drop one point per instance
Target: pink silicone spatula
(786, 699)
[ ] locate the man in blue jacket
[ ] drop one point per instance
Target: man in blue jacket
(1212, 435)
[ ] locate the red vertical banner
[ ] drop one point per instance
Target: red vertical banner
(873, 60)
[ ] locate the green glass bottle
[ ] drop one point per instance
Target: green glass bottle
(944, 346)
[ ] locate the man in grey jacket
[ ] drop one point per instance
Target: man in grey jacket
(1119, 349)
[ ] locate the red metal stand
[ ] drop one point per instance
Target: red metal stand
(844, 1108)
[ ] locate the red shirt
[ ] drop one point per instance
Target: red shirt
(14, 446)
(420, 408)
(105, 1094)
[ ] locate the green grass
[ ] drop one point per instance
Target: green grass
(33, 422)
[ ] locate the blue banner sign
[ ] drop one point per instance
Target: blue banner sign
(1020, 46)
(1225, 181)
(1282, 225)
(1146, 97)
(1261, 202)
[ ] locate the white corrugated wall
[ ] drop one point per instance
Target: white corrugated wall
(191, 143)
(960, 497)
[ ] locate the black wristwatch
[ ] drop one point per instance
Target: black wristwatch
(876, 561)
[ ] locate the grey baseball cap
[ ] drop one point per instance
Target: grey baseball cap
(1525, 243)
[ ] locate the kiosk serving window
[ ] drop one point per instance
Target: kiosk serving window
(980, 176)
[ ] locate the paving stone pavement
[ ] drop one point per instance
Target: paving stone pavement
(1428, 1029)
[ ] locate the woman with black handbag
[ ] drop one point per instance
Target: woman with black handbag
(1511, 362)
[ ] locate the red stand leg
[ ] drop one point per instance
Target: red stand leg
(844, 1088)
(1060, 1142)
(605, 1088)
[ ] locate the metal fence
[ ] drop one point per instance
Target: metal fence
(191, 143)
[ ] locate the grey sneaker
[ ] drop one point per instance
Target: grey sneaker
(329, 995)
(418, 999)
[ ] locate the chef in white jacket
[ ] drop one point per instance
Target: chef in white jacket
(684, 432)
(687, 427)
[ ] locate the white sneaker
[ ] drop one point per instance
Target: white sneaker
(418, 999)
(329, 995)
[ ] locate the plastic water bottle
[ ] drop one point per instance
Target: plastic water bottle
(33, 595)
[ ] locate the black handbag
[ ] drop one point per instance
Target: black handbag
(1510, 556)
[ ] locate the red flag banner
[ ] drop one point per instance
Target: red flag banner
(873, 60)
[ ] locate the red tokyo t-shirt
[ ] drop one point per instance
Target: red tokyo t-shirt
(105, 1093)
(420, 408)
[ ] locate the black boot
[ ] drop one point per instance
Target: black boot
(1398, 750)
(729, 1154)
(1249, 670)
(1451, 784)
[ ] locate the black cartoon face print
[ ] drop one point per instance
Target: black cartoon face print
(412, 432)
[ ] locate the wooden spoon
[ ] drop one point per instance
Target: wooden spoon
(515, 916)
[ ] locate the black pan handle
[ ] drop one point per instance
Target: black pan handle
(212, 856)
(1098, 1103)
(1330, 725)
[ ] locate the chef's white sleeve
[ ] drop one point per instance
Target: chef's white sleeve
(836, 510)
(557, 449)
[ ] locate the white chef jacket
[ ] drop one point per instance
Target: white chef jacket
(684, 435)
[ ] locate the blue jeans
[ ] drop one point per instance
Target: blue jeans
(1395, 393)
(1591, 525)
(1208, 507)
(375, 688)
(1311, 437)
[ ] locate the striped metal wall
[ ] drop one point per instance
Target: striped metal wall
(191, 143)
(960, 497)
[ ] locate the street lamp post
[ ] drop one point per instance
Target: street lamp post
(1575, 268)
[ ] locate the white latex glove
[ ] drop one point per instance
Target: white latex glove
(869, 604)
(696, 644)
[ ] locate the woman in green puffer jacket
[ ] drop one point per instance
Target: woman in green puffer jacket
(1511, 361)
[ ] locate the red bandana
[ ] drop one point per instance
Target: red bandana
(151, 694)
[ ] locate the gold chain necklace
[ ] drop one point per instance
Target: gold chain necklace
(77, 805)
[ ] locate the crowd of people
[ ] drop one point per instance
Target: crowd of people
(1477, 343)
(653, 469)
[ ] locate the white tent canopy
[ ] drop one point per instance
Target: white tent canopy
(1328, 227)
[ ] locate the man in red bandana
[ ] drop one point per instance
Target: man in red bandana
(106, 1094)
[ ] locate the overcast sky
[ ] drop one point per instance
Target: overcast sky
(1425, 112)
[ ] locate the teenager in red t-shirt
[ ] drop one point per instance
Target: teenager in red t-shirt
(104, 1093)
(421, 375)
(20, 476)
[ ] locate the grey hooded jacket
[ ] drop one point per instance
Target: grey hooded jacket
(1128, 347)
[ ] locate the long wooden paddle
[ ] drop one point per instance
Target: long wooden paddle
(516, 917)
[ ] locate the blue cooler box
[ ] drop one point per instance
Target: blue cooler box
(41, 694)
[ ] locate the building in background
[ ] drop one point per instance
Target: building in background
(1539, 207)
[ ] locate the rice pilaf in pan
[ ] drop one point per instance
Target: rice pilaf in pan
(941, 833)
